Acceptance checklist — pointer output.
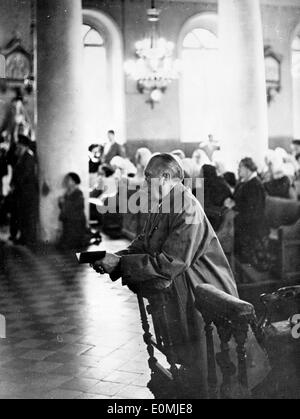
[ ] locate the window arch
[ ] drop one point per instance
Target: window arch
(104, 104)
(95, 85)
(199, 53)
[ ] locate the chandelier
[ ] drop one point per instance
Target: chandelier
(154, 68)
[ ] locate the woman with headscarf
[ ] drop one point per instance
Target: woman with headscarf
(216, 192)
(142, 158)
(279, 184)
(200, 158)
(278, 176)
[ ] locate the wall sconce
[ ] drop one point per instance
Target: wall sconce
(273, 73)
(18, 66)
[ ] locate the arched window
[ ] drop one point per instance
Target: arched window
(296, 84)
(95, 85)
(199, 91)
(104, 102)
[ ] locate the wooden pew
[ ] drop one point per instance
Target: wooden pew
(233, 319)
(289, 252)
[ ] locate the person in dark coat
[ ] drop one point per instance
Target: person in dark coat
(177, 251)
(3, 165)
(251, 230)
(279, 187)
(216, 192)
(24, 198)
(72, 215)
(112, 149)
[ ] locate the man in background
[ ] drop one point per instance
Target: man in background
(112, 148)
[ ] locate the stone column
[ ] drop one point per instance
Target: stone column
(243, 108)
(60, 142)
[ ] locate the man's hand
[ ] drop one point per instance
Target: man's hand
(108, 264)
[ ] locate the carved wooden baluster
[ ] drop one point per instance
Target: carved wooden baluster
(223, 358)
(211, 361)
(171, 355)
(147, 334)
(240, 335)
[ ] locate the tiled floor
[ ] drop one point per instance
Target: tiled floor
(70, 333)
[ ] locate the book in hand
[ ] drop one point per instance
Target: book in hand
(90, 257)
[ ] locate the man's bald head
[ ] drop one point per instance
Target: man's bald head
(165, 164)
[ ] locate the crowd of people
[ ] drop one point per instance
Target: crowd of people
(244, 192)
(18, 175)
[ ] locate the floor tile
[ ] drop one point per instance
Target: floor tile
(71, 334)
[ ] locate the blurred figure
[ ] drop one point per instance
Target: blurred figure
(210, 146)
(16, 122)
(3, 174)
(105, 183)
(95, 154)
(3, 164)
(72, 215)
(297, 157)
(123, 167)
(112, 148)
(218, 160)
(200, 158)
(251, 232)
(179, 153)
(297, 180)
(191, 169)
(142, 158)
(288, 161)
(295, 147)
(279, 184)
(24, 194)
(231, 180)
(216, 193)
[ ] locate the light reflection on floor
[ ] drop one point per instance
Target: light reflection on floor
(70, 332)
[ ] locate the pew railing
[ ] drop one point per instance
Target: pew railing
(232, 318)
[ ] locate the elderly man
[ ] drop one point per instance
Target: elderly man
(178, 250)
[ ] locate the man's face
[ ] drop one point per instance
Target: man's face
(158, 185)
(111, 137)
(243, 172)
(68, 183)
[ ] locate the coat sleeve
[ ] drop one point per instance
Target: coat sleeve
(136, 247)
(189, 238)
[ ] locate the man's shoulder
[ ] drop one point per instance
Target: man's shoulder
(188, 207)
